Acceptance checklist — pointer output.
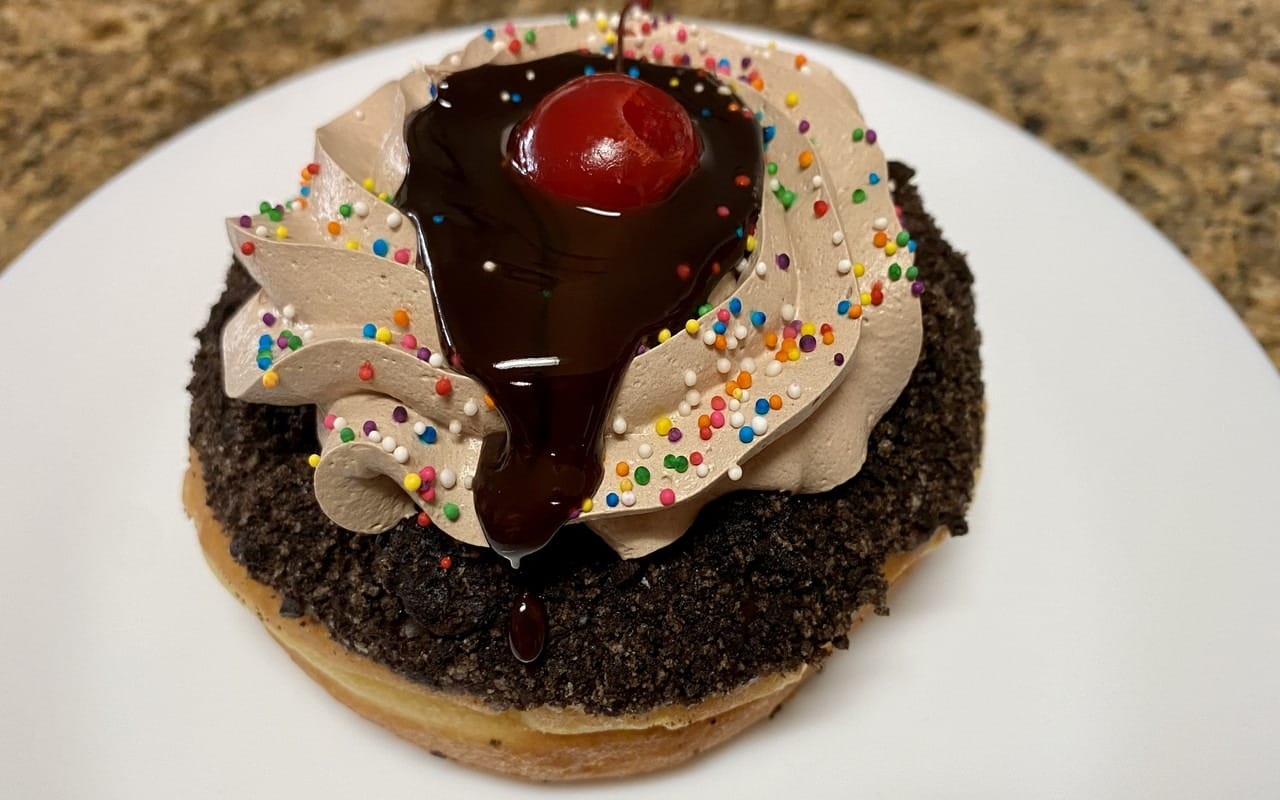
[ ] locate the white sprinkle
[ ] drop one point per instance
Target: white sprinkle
(645, 450)
(747, 364)
(708, 337)
(698, 88)
(684, 408)
(759, 425)
(880, 223)
(401, 454)
(735, 473)
(736, 419)
(447, 478)
(690, 378)
(393, 220)
(339, 423)
(455, 427)
(746, 395)
(793, 390)
(761, 268)
(436, 360)
(619, 425)
(470, 408)
(693, 397)
(375, 436)
(788, 312)
(307, 334)
(466, 481)
(504, 96)
(361, 208)
(261, 230)
(734, 404)
(359, 114)
(702, 470)
(723, 365)
(488, 266)
(454, 59)
(741, 331)
(731, 342)
(837, 237)
(528, 75)
(742, 267)
(773, 368)
(288, 312)
(775, 185)
(389, 443)
(419, 427)
(844, 267)
(816, 182)
(628, 499)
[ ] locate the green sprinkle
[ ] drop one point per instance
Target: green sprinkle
(530, 36)
(785, 196)
(912, 273)
(345, 209)
(573, 20)
(859, 196)
(275, 215)
(295, 342)
(346, 434)
(264, 207)
(286, 333)
(858, 134)
(682, 464)
(669, 461)
(451, 512)
(642, 476)
(903, 238)
(771, 168)
(265, 354)
(704, 308)
(895, 271)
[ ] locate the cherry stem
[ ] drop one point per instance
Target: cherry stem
(644, 5)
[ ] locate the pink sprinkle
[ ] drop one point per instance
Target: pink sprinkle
(428, 494)
(717, 419)
(722, 211)
(667, 496)
(629, 53)
(402, 255)
(409, 341)
(723, 315)
(717, 403)
(427, 473)
(682, 35)
(710, 63)
(328, 420)
(509, 29)
(658, 52)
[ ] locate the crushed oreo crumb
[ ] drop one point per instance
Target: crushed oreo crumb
(762, 582)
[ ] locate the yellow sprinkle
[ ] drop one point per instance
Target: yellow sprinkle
(587, 505)
(624, 485)
(384, 197)
(367, 183)
(890, 248)
(662, 426)
(282, 232)
(751, 243)
(859, 269)
(663, 335)
(271, 379)
(792, 99)
(611, 38)
(412, 481)
(691, 327)
(808, 328)
(737, 393)
(352, 244)
(383, 335)
(673, 83)
(602, 24)
(313, 460)
(793, 354)
(865, 298)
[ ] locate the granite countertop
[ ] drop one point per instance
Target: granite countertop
(1175, 104)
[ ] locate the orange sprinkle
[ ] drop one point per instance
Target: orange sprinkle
(775, 401)
(300, 202)
(622, 469)
(771, 340)
(400, 317)
(744, 379)
(828, 337)
(855, 312)
(879, 239)
(488, 401)
(704, 421)
(781, 355)
(757, 84)
(806, 159)
(788, 343)
(334, 227)
(306, 175)
(801, 60)
(730, 387)
(734, 107)
(721, 342)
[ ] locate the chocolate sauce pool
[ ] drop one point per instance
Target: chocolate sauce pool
(550, 325)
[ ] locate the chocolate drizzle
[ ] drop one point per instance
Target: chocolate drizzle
(551, 324)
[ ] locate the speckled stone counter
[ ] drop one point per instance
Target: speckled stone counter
(1175, 104)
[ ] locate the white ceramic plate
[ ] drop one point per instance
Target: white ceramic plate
(1109, 629)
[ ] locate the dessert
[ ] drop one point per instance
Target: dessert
(628, 366)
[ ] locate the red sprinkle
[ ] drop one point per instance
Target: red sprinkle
(743, 181)
(445, 562)
(444, 386)
(683, 271)
(366, 371)
(402, 255)
(423, 519)
(695, 458)
(514, 46)
(717, 403)
(247, 248)
(704, 433)
(313, 168)
(820, 208)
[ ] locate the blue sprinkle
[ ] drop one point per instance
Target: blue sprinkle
(739, 231)
(911, 245)
(769, 132)
(369, 330)
(746, 434)
(433, 91)
(429, 436)
(380, 247)
(723, 63)
(588, 70)
(735, 306)
(264, 363)
(719, 327)
(843, 307)
(488, 34)
(438, 218)
(265, 341)
(515, 97)
(305, 191)
(760, 115)
(706, 112)
(757, 318)
(611, 500)
(873, 179)
(762, 406)
(634, 72)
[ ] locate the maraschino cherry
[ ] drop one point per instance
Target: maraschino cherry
(607, 141)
